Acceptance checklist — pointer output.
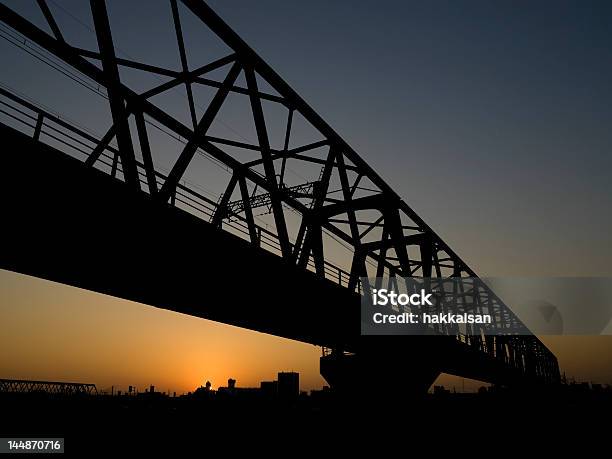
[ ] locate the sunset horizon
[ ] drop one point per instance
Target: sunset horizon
(304, 209)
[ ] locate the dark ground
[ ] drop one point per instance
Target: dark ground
(112, 426)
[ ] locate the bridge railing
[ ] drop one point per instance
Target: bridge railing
(32, 119)
(50, 387)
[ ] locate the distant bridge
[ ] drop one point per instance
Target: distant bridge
(50, 387)
(97, 213)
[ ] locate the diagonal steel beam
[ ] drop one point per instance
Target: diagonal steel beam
(286, 144)
(180, 78)
(50, 19)
(217, 218)
(145, 149)
(248, 212)
(115, 97)
(194, 140)
(264, 143)
(101, 146)
(311, 222)
(130, 63)
(348, 199)
(181, 45)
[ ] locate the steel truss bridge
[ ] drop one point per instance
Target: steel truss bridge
(50, 387)
(101, 212)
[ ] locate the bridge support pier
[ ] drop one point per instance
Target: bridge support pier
(384, 368)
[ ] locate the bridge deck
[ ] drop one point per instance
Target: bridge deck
(76, 225)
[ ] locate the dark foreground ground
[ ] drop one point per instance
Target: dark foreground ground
(466, 423)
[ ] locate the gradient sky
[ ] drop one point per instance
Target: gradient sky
(491, 119)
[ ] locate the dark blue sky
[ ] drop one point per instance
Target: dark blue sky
(492, 119)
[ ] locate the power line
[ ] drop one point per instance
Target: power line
(37, 55)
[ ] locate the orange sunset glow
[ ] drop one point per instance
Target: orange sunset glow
(55, 332)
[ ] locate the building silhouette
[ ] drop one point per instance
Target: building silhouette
(288, 385)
